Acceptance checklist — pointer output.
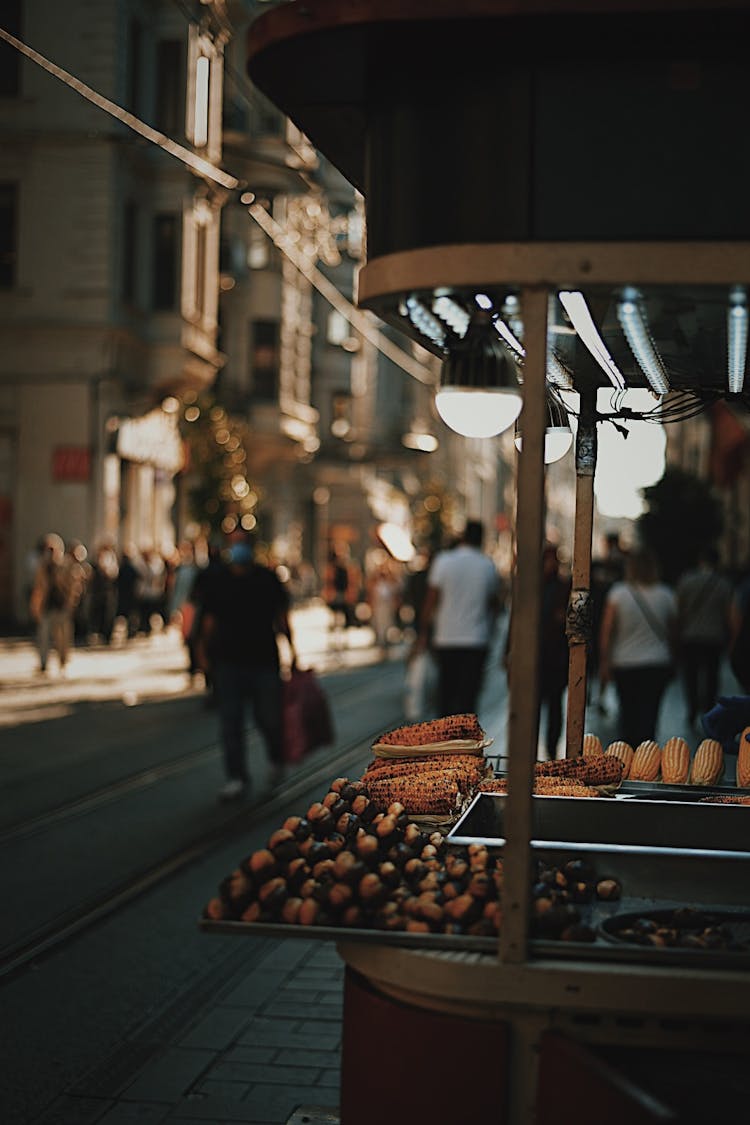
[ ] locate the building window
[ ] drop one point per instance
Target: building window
(8, 234)
(201, 101)
(341, 414)
(165, 262)
(264, 360)
(10, 59)
(201, 233)
(129, 252)
(337, 328)
(169, 87)
(258, 247)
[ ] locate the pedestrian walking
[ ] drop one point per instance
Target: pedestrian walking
(636, 645)
(739, 642)
(128, 577)
(245, 609)
(151, 591)
(341, 587)
(51, 603)
(460, 607)
(103, 592)
(384, 594)
(704, 601)
(553, 648)
(553, 652)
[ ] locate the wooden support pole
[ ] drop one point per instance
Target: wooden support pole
(578, 626)
(523, 717)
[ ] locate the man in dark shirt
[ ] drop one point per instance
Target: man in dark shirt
(245, 609)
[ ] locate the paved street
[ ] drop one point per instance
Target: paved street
(149, 668)
(140, 1016)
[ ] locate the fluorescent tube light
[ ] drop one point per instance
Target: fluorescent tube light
(737, 336)
(575, 306)
(635, 328)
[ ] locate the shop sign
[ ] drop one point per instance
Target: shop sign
(153, 439)
(71, 463)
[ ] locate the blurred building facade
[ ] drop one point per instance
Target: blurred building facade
(715, 446)
(130, 286)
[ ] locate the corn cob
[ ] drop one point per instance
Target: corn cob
(436, 730)
(743, 759)
(493, 785)
(646, 762)
(394, 767)
(564, 787)
(724, 801)
(592, 746)
(624, 752)
(543, 786)
(708, 763)
(675, 761)
(439, 791)
(590, 771)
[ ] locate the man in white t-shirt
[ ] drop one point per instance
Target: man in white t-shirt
(459, 612)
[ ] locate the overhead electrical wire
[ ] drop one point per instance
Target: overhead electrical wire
(356, 317)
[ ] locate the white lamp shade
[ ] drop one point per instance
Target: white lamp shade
(478, 413)
(557, 442)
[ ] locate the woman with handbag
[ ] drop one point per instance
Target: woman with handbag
(637, 640)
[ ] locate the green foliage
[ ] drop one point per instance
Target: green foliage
(682, 518)
(219, 492)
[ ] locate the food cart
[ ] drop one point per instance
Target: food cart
(529, 151)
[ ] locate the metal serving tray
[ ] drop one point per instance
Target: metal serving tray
(602, 821)
(663, 854)
(593, 914)
(661, 791)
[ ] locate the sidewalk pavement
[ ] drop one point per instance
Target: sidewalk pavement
(152, 667)
(267, 1050)
(263, 1046)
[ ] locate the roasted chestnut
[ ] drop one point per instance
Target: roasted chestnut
(364, 808)
(339, 895)
(367, 847)
(389, 873)
(347, 868)
(348, 824)
(263, 865)
(273, 894)
(309, 913)
(323, 869)
(298, 826)
(335, 843)
(290, 911)
(296, 873)
(321, 820)
(608, 890)
(371, 889)
(352, 790)
(283, 844)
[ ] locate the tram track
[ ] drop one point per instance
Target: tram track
(20, 955)
(145, 778)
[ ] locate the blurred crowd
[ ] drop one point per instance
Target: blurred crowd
(77, 597)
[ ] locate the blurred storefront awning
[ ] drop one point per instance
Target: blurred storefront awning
(153, 439)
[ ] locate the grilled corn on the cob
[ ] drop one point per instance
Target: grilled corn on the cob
(675, 761)
(646, 762)
(447, 729)
(592, 746)
(708, 763)
(590, 771)
(743, 759)
(624, 752)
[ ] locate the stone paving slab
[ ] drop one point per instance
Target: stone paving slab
(168, 1076)
(128, 1113)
